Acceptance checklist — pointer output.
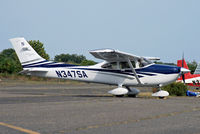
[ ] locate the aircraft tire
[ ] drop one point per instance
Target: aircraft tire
(119, 95)
(132, 95)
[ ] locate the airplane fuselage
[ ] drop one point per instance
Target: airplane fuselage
(151, 75)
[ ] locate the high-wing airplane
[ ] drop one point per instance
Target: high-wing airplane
(118, 68)
(188, 78)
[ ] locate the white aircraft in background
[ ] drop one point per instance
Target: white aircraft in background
(119, 68)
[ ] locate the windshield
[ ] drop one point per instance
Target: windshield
(144, 62)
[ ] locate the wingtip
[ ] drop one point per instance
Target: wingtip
(15, 38)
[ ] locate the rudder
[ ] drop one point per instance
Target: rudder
(25, 53)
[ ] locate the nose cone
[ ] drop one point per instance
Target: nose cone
(184, 70)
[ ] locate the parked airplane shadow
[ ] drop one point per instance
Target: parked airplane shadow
(93, 96)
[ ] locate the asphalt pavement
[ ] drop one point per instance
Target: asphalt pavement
(46, 108)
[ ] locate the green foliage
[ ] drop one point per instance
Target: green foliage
(177, 89)
(87, 63)
(192, 66)
(9, 62)
(72, 58)
(39, 48)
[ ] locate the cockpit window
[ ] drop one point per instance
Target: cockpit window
(144, 62)
(119, 65)
(111, 65)
(124, 65)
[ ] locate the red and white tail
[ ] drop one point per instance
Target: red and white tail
(182, 63)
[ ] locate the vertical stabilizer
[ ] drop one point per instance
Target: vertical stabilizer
(182, 63)
(25, 53)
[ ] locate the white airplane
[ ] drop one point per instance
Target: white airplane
(118, 68)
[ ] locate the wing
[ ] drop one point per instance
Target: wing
(112, 55)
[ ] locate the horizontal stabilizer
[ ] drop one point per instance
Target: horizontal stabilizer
(27, 71)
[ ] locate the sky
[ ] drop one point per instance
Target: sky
(157, 28)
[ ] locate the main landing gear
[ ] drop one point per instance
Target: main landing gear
(121, 91)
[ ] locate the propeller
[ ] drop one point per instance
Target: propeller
(182, 74)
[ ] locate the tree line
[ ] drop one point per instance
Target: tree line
(9, 62)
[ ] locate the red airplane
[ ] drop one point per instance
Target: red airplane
(188, 78)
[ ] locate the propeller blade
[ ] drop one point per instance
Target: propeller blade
(182, 60)
(183, 72)
(183, 77)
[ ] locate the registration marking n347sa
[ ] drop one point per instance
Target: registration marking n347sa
(71, 73)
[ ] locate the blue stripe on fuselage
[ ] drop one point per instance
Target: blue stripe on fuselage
(49, 65)
(34, 63)
(154, 68)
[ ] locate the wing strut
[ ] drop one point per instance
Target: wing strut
(134, 72)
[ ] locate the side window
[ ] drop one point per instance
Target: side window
(122, 65)
(125, 65)
(112, 65)
(107, 65)
(133, 63)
